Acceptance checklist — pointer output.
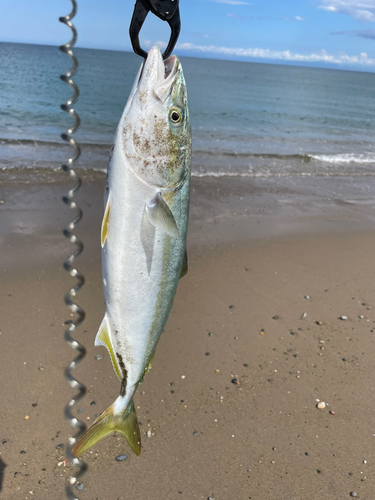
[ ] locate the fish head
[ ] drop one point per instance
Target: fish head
(156, 129)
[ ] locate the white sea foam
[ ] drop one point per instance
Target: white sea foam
(282, 174)
(362, 158)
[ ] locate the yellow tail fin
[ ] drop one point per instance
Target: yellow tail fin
(126, 423)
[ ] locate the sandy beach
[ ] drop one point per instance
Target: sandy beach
(254, 342)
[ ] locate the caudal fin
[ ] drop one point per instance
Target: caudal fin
(126, 423)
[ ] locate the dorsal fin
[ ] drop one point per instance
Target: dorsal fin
(105, 223)
(161, 217)
(103, 338)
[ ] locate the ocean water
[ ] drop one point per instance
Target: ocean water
(248, 119)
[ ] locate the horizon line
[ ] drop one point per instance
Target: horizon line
(200, 55)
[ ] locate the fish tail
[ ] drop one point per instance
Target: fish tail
(124, 422)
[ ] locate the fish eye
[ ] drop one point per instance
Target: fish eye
(175, 116)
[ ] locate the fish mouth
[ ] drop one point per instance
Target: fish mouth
(170, 66)
(158, 75)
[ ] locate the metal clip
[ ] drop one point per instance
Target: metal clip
(166, 10)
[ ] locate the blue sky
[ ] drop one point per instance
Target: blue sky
(326, 33)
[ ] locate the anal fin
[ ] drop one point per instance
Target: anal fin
(148, 367)
(103, 338)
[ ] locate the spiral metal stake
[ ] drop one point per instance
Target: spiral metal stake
(68, 264)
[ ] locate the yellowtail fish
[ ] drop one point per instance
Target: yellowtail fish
(143, 234)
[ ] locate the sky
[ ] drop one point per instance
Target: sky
(324, 33)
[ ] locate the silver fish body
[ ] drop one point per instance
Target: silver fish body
(143, 233)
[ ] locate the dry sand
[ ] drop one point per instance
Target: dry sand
(254, 254)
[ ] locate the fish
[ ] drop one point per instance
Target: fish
(143, 234)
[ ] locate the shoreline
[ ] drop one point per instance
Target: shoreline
(222, 211)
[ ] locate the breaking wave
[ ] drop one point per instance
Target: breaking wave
(282, 174)
(362, 158)
(26, 157)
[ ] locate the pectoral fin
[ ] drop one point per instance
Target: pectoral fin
(103, 338)
(105, 223)
(184, 267)
(161, 217)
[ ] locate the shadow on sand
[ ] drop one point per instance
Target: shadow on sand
(2, 469)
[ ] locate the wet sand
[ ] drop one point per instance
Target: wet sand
(240, 315)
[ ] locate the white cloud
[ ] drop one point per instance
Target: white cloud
(236, 16)
(362, 10)
(231, 2)
(148, 44)
(299, 18)
(285, 55)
